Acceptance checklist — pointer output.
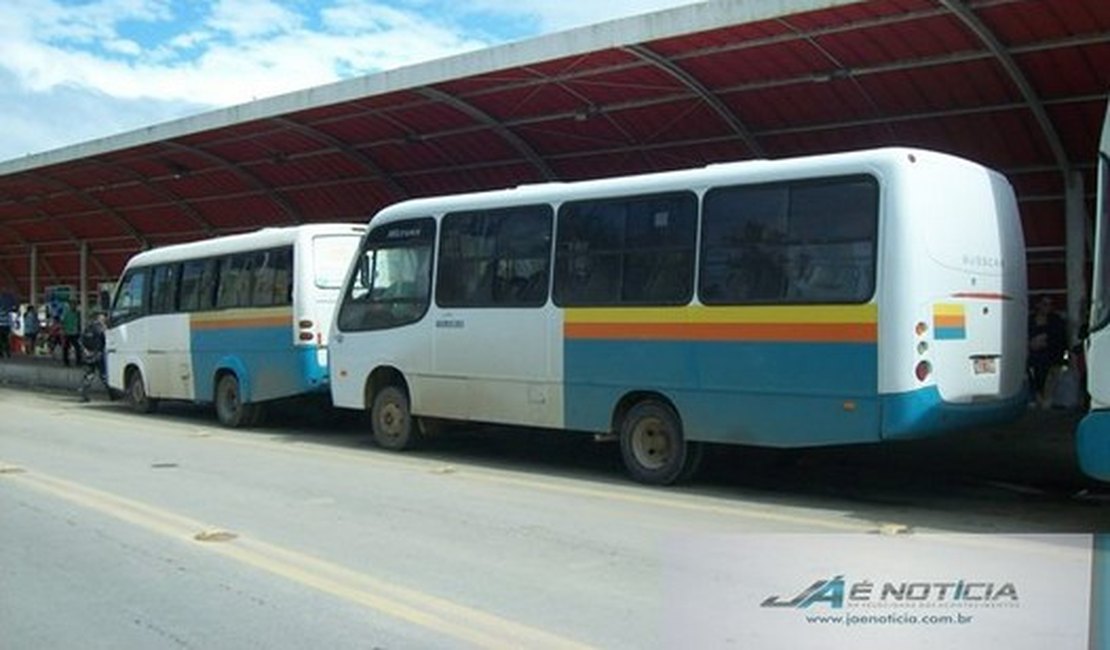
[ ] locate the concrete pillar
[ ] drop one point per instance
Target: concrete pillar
(33, 296)
(1076, 253)
(83, 283)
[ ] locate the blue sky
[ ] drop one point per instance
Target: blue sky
(76, 70)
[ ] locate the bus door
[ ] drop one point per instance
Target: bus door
(167, 337)
(492, 328)
(126, 339)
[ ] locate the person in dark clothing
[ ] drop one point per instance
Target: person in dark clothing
(30, 330)
(1047, 343)
(92, 345)
(5, 333)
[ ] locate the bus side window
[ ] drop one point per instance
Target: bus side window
(636, 250)
(495, 258)
(807, 241)
(163, 290)
(272, 277)
(235, 281)
(283, 276)
(197, 285)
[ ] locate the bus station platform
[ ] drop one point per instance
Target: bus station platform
(41, 371)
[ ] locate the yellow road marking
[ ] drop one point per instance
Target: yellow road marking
(437, 614)
(642, 496)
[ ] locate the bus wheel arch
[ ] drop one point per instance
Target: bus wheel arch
(135, 389)
(231, 409)
(387, 399)
(653, 444)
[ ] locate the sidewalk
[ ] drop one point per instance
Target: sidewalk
(40, 372)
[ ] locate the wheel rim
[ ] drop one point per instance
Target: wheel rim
(651, 444)
(391, 421)
(230, 399)
(138, 393)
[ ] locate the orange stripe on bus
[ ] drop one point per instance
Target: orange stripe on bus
(238, 323)
(783, 332)
(941, 320)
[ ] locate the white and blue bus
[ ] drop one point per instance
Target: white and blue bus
(1093, 437)
(236, 321)
(847, 298)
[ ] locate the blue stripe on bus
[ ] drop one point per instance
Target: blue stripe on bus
(758, 393)
(267, 363)
(922, 412)
(950, 334)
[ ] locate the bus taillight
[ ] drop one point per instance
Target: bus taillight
(923, 370)
(304, 324)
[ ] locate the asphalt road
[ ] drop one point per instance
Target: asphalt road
(126, 531)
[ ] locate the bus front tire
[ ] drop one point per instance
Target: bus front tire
(231, 410)
(653, 448)
(137, 397)
(391, 421)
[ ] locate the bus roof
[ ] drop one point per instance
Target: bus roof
(258, 239)
(750, 170)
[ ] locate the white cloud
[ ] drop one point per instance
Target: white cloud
(247, 49)
(66, 115)
(554, 15)
(79, 70)
(253, 18)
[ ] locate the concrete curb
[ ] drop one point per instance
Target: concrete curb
(40, 373)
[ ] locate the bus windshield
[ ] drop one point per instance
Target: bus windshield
(392, 281)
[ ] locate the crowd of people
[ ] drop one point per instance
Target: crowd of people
(57, 333)
(28, 331)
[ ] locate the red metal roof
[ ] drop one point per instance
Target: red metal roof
(1019, 85)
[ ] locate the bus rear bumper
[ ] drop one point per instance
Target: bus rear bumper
(1092, 445)
(921, 413)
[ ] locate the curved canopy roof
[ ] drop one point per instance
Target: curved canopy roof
(1019, 85)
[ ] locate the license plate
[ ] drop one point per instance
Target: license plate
(984, 365)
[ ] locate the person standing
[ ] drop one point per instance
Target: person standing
(71, 332)
(30, 329)
(92, 342)
(1047, 344)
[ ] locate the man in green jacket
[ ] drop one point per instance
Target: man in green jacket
(71, 333)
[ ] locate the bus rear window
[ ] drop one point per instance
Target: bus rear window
(331, 255)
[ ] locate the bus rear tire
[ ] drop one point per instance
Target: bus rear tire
(231, 410)
(137, 397)
(391, 420)
(653, 447)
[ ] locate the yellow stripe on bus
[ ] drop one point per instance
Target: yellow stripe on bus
(777, 314)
